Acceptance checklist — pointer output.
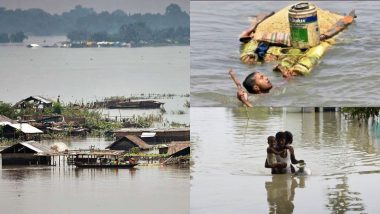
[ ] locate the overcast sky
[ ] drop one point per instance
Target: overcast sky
(129, 6)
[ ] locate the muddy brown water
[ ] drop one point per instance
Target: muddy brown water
(90, 74)
(347, 75)
(63, 189)
(229, 150)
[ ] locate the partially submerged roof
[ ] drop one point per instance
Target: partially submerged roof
(177, 146)
(33, 145)
(39, 148)
(6, 119)
(155, 130)
(36, 98)
(134, 139)
(39, 98)
(25, 128)
(140, 143)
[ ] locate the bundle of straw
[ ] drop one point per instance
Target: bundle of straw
(279, 22)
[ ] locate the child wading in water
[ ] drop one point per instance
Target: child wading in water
(271, 154)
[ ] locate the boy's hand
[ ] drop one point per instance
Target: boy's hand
(288, 74)
(242, 95)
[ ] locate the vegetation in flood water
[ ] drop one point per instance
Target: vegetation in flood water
(59, 120)
(361, 113)
(144, 121)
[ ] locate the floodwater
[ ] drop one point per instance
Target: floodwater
(229, 151)
(175, 111)
(347, 75)
(71, 190)
(90, 74)
(64, 189)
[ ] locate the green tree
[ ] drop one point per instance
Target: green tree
(173, 10)
(78, 35)
(7, 110)
(18, 37)
(100, 36)
(57, 108)
(135, 32)
(361, 112)
(4, 38)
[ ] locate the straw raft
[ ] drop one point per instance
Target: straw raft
(275, 32)
(279, 22)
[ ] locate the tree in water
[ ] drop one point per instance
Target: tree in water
(18, 37)
(361, 112)
(78, 36)
(4, 38)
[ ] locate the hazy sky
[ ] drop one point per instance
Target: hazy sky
(129, 6)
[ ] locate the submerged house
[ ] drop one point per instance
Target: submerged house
(34, 102)
(128, 142)
(20, 130)
(156, 136)
(4, 119)
(176, 148)
(26, 153)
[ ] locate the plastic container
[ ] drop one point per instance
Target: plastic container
(304, 29)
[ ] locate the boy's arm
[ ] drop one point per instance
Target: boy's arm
(272, 150)
(293, 157)
(242, 95)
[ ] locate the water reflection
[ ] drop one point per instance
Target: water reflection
(67, 190)
(281, 192)
(342, 200)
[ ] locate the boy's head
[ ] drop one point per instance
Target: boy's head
(280, 138)
(288, 137)
(256, 83)
(271, 141)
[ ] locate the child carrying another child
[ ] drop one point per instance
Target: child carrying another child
(271, 154)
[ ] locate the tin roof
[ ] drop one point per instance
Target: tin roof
(33, 145)
(151, 129)
(25, 128)
(140, 143)
(176, 146)
(39, 98)
(135, 140)
(148, 134)
(6, 119)
(42, 99)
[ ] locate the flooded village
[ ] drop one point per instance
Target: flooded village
(79, 142)
(26, 139)
(95, 130)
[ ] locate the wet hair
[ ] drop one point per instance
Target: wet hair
(288, 137)
(249, 82)
(280, 136)
(271, 139)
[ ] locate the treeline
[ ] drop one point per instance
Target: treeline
(138, 34)
(17, 37)
(39, 22)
